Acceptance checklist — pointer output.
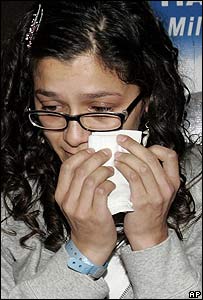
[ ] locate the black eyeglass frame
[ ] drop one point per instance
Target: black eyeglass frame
(122, 115)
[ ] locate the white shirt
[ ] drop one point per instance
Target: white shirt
(116, 277)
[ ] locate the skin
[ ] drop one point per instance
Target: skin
(84, 183)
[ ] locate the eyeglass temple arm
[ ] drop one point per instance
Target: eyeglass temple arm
(134, 103)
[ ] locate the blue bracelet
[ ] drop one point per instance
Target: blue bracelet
(80, 263)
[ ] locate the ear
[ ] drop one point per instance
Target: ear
(146, 105)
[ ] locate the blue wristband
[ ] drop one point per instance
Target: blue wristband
(80, 263)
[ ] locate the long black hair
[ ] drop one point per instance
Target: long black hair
(126, 37)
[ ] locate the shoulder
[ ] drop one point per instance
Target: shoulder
(12, 229)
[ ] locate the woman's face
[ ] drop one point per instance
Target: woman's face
(80, 86)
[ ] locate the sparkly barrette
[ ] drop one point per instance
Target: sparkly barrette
(34, 26)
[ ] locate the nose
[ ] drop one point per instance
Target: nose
(74, 134)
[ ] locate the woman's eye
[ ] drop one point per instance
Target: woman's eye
(50, 108)
(101, 109)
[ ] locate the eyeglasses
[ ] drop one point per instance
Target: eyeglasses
(49, 120)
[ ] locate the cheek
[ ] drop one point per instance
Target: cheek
(131, 124)
(54, 139)
(133, 121)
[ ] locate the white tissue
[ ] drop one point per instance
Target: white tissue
(119, 198)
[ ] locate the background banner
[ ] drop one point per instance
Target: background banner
(183, 21)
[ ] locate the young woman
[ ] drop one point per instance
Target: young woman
(74, 67)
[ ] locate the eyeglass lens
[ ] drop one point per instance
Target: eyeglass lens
(100, 122)
(91, 122)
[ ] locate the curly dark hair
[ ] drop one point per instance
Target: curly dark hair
(127, 38)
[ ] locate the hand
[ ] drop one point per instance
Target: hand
(81, 193)
(153, 176)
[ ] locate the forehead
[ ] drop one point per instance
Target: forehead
(82, 76)
(84, 72)
(85, 65)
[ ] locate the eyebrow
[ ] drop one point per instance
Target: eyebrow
(46, 93)
(98, 94)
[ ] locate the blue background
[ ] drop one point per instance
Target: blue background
(190, 46)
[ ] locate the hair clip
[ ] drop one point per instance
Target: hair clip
(34, 26)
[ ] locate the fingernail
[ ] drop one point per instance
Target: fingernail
(106, 151)
(111, 169)
(90, 150)
(117, 155)
(121, 138)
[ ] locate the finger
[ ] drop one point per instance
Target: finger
(100, 203)
(86, 168)
(170, 163)
(131, 145)
(85, 199)
(67, 172)
(135, 182)
(150, 159)
(141, 181)
(80, 174)
(141, 153)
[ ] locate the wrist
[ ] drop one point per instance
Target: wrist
(144, 242)
(80, 263)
